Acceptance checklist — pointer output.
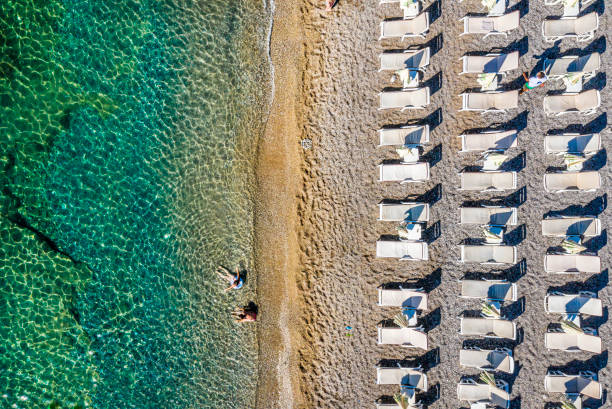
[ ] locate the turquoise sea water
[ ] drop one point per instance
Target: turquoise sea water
(128, 133)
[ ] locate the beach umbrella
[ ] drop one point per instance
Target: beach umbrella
(573, 161)
(402, 400)
(487, 79)
(570, 327)
(409, 231)
(490, 310)
(567, 404)
(402, 231)
(408, 153)
(401, 320)
(487, 378)
(493, 160)
(493, 234)
(571, 247)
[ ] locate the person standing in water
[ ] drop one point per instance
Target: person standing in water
(329, 4)
(236, 281)
(245, 314)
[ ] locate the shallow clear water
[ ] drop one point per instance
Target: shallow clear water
(128, 133)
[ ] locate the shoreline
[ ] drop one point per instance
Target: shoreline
(278, 179)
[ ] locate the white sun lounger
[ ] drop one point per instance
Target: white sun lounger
(587, 65)
(489, 140)
(498, 216)
(402, 297)
(489, 328)
(490, 25)
(394, 60)
(571, 226)
(583, 3)
(572, 143)
(482, 393)
(404, 172)
(559, 182)
(570, 342)
(571, 263)
(498, 9)
(499, 359)
(408, 377)
(583, 303)
(403, 28)
(488, 254)
(496, 290)
(399, 212)
(416, 405)
(585, 102)
(404, 135)
(583, 384)
(491, 101)
(406, 337)
(415, 98)
(582, 28)
(490, 63)
(488, 181)
(403, 250)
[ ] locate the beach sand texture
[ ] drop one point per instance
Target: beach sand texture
(338, 205)
(278, 183)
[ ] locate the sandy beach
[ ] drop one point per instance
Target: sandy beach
(276, 240)
(338, 273)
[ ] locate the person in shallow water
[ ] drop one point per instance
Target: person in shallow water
(236, 281)
(534, 81)
(245, 314)
(330, 4)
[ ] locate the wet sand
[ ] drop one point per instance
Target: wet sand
(278, 180)
(337, 229)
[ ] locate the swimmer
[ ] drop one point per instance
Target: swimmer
(236, 281)
(241, 314)
(330, 4)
